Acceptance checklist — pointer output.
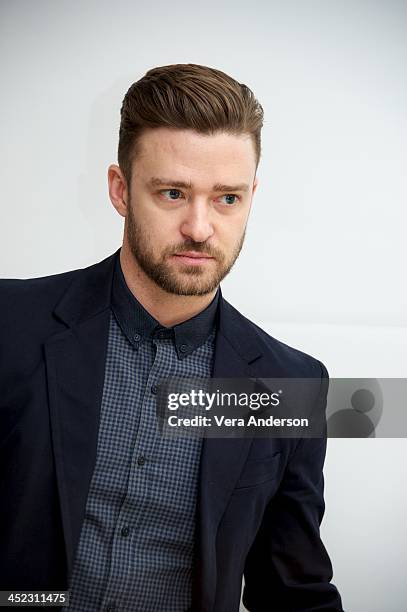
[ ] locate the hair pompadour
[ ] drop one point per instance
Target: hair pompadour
(187, 96)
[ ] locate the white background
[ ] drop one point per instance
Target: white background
(323, 266)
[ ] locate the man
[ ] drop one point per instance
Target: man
(93, 498)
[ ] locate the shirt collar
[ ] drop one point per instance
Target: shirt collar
(139, 325)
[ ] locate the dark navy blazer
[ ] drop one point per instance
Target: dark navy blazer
(260, 500)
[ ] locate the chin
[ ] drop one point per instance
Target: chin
(193, 288)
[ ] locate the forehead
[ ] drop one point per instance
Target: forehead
(186, 154)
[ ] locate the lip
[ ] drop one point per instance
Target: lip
(194, 254)
(193, 257)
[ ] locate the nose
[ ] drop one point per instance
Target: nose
(196, 223)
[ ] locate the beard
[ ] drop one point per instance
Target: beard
(179, 280)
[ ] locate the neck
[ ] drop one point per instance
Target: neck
(168, 308)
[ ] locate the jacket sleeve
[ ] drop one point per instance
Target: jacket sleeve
(288, 568)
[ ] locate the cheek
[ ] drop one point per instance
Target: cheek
(163, 230)
(231, 231)
(151, 220)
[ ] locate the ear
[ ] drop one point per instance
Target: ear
(118, 191)
(255, 183)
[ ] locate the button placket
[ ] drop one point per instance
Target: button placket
(127, 522)
(139, 484)
(141, 478)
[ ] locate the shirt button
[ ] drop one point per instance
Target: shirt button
(154, 389)
(183, 348)
(110, 609)
(125, 531)
(137, 337)
(141, 460)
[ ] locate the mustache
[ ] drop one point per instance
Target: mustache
(199, 247)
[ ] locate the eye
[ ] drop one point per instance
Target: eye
(235, 198)
(173, 193)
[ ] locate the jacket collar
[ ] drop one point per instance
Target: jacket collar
(90, 294)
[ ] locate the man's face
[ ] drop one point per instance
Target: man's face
(189, 193)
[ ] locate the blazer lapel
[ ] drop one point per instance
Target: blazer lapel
(222, 459)
(75, 361)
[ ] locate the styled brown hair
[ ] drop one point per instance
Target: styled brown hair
(187, 96)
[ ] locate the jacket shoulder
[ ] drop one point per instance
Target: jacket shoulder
(285, 357)
(44, 286)
(31, 301)
(23, 296)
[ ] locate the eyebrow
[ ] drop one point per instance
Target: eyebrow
(157, 182)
